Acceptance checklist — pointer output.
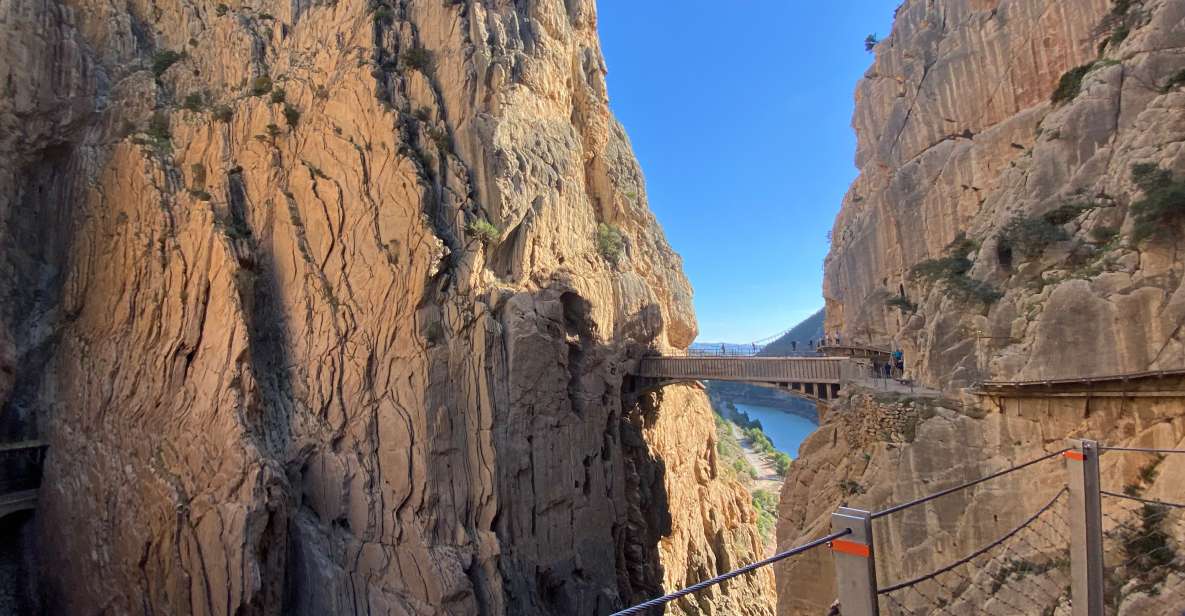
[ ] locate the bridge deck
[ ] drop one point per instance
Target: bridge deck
(823, 370)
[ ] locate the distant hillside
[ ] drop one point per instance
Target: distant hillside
(811, 329)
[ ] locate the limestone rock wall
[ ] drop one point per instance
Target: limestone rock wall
(284, 365)
(875, 450)
(958, 137)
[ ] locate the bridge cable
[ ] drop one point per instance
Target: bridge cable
(894, 509)
(1140, 449)
(638, 609)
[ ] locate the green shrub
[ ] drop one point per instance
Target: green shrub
(1177, 79)
(1067, 212)
(158, 127)
(610, 242)
(261, 85)
(418, 58)
(967, 290)
(760, 441)
(383, 14)
(1162, 209)
(321, 93)
(782, 463)
(440, 138)
(850, 488)
(291, 115)
(765, 504)
(223, 113)
(200, 194)
(273, 130)
(939, 269)
(278, 95)
(1070, 84)
(902, 303)
(266, 16)
(194, 102)
(870, 42)
(199, 175)
(163, 59)
(1031, 235)
(961, 246)
(221, 9)
(483, 230)
(1103, 235)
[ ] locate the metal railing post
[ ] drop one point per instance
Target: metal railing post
(855, 566)
(1086, 529)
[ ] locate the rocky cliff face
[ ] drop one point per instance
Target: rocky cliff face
(326, 307)
(1013, 154)
(986, 210)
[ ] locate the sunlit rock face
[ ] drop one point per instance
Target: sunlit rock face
(958, 138)
(965, 156)
(309, 302)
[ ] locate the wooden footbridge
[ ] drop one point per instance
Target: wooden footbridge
(20, 475)
(815, 378)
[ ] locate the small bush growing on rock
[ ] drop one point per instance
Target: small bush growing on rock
(850, 488)
(902, 303)
(273, 130)
(223, 113)
(221, 9)
(383, 14)
(440, 138)
(418, 58)
(1162, 210)
(942, 268)
(1031, 235)
(158, 127)
(261, 85)
(1067, 212)
(194, 102)
(1070, 84)
(163, 59)
(199, 175)
(483, 230)
(967, 290)
(1177, 79)
(1103, 235)
(610, 242)
(278, 95)
(200, 194)
(291, 115)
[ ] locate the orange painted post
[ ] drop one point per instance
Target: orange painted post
(855, 563)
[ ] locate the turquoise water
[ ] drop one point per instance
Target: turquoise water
(785, 430)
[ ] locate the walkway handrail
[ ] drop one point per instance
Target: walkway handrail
(1140, 449)
(980, 551)
(638, 609)
(1146, 501)
(939, 494)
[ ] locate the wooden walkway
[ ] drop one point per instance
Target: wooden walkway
(1149, 384)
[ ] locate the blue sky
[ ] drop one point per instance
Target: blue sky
(740, 113)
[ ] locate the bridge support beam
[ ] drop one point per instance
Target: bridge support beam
(1086, 529)
(855, 563)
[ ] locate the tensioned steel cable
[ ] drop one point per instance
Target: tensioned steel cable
(1142, 500)
(924, 499)
(980, 551)
(1140, 449)
(641, 607)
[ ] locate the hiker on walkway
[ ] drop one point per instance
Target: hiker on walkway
(899, 362)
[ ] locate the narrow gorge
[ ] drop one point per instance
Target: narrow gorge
(325, 307)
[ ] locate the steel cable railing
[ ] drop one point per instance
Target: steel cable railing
(1143, 545)
(658, 602)
(1023, 571)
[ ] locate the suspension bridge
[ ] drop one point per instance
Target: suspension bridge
(1089, 549)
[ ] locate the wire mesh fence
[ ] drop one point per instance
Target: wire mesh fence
(1025, 571)
(1144, 559)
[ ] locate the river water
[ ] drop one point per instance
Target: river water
(784, 429)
